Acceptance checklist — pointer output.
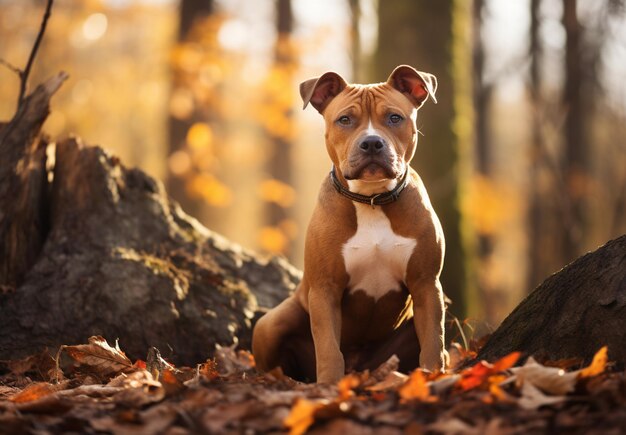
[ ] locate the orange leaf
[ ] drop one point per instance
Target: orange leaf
(301, 416)
(416, 388)
(346, 385)
(209, 369)
(34, 392)
(597, 366)
(506, 362)
(479, 374)
(140, 364)
(475, 376)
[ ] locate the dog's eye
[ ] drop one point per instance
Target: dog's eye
(394, 118)
(344, 120)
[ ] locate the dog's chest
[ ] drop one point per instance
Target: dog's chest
(375, 257)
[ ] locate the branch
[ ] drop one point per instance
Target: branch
(15, 69)
(24, 74)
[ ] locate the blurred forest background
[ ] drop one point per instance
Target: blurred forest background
(524, 156)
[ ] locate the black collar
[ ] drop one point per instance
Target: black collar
(376, 199)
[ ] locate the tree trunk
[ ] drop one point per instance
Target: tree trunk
(573, 313)
(190, 13)
(280, 164)
(433, 37)
(576, 158)
(538, 252)
(119, 258)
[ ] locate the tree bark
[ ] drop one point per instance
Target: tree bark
(576, 152)
(431, 37)
(191, 12)
(573, 313)
(280, 164)
(22, 185)
(119, 259)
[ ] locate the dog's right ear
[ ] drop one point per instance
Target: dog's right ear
(319, 91)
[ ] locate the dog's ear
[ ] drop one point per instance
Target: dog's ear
(416, 85)
(320, 90)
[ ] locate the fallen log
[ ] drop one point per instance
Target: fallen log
(102, 250)
(571, 314)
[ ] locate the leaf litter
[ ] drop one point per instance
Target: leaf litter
(95, 388)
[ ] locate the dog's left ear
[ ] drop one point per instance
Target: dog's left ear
(416, 85)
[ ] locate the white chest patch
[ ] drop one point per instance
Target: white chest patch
(375, 257)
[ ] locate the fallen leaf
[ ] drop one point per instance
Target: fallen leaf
(6, 392)
(301, 416)
(42, 364)
(230, 361)
(383, 370)
(444, 384)
(416, 387)
(478, 375)
(506, 362)
(391, 382)
(452, 426)
(532, 397)
(209, 370)
(346, 385)
(100, 357)
(36, 391)
(155, 364)
(550, 380)
(597, 366)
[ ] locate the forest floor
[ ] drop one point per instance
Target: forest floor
(95, 388)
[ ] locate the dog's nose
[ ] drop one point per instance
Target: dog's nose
(372, 144)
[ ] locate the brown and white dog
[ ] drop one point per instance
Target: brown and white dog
(374, 247)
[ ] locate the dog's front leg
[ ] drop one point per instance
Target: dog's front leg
(428, 318)
(325, 314)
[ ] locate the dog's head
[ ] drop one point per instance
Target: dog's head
(371, 133)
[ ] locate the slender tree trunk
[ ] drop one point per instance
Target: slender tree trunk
(536, 211)
(433, 37)
(483, 158)
(575, 156)
(190, 12)
(355, 40)
(280, 164)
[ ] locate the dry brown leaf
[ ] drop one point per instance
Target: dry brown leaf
(532, 397)
(139, 389)
(229, 361)
(6, 391)
(453, 426)
(444, 384)
(550, 380)
(597, 366)
(383, 370)
(100, 357)
(42, 364)
(391, 382)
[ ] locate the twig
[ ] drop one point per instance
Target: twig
(15, 69)
(24, 74)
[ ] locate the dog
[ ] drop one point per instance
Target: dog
(374, 246)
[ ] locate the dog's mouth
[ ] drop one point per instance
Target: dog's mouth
(370, 170)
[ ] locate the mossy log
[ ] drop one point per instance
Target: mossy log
(90, 247)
